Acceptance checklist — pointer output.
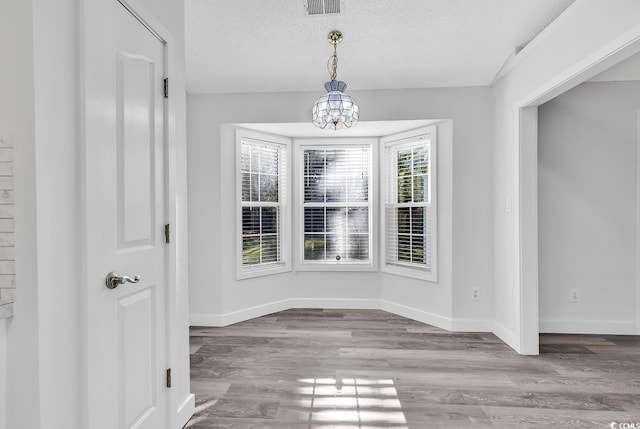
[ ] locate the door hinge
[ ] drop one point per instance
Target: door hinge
(165, 86)
(169, 377)
(167, 233)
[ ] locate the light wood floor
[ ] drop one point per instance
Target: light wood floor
(372, 369)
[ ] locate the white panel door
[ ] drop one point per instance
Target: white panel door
(125, 151)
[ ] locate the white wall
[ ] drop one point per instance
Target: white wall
(57, 214)
(39, 116)
(563, 52)
(17, 128)
(587, 208)
(217, 298)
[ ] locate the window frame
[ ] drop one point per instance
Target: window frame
(300, 145)
(284, 198)
(392, 144)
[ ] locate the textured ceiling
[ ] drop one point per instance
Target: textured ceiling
(273, 46)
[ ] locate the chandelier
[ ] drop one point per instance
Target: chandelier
(335, 109)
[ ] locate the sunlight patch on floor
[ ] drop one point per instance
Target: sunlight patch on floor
(351, 403)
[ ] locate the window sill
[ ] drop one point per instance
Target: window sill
(415, 273)
(335, 266)
(266, 271)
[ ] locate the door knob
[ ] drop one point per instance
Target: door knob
(114, 280)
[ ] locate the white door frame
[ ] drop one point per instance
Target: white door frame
(527, 171)
(87, 18)
(638, 222)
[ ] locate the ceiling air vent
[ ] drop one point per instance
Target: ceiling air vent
(322, 7)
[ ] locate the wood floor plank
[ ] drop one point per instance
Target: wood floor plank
(314, 368)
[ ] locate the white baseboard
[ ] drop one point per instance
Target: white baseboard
(506, 335)
(218, 320)
(211, 320)
(355, 304)
(472, 325)
(457, 325)
(608, 327)
(416, 314)
(185, 411)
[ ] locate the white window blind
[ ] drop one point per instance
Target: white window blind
(263, 167)
(410, 205)
(336, 207)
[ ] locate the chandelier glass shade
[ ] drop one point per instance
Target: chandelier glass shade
(335, 109)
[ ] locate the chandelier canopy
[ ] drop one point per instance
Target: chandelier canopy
(335, 108)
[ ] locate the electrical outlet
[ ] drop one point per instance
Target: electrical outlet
(574, 295)
(475, 293)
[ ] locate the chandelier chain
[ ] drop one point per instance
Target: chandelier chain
(332, 64)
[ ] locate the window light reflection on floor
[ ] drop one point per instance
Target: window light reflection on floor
(351, 403)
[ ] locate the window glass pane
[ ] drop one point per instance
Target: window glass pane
(404, 163)
(336, 219)
(417, 220)
(404, 189)
(336, 191)
(336, 175)
(269, 188)
(314, 163)
(358, 219)
(358, 188)
(269, 220)
(358, 247)
(250, 250)
(254, 185)
(342, 173)
(417, 249)
(246, 187)
(404, 248)
(269, 249)
(421, 160)
(313, 189)
(404, 220)
(419, 189)
(245, 158)
(250, 221)
(336, 247)
(314, 247)
(314, 219)
(357, 174)
(268, 160)
(255, 159)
